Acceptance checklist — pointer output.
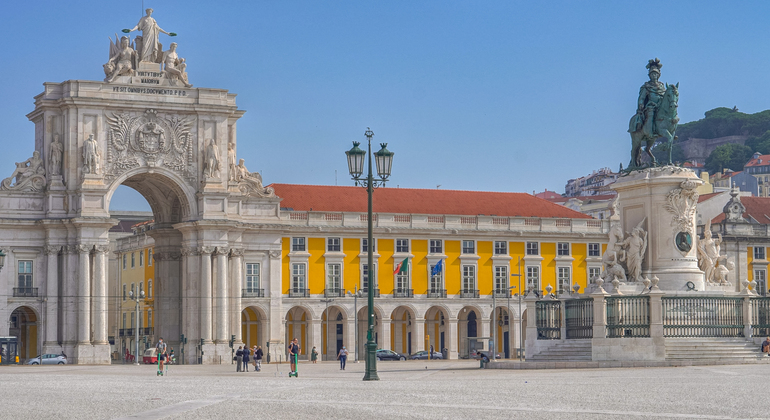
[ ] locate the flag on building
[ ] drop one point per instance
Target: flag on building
(402, 266)
(437, 268)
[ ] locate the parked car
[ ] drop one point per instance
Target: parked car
(423, 355)
(49, 359)
(150, 356)
(385, 354)
(484, 355)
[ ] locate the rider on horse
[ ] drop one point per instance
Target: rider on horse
(650, 96)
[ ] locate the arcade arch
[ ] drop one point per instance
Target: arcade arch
(333, 332)
(23, 324)
(402, 330)
(253, 326)
(436, 328)
(297, 326)
(363, 325)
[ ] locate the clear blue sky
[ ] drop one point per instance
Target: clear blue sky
(483, 95)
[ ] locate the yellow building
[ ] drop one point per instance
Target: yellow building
(482, 242)
(136, 277)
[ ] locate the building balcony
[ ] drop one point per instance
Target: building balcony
(502, 293)
(147, 331)
(469, 294)
(403, 293)
(436, 293)
(334, 292)
(365, 291)
(122, 332)
(129, 332)
(253, 293)
(25, 292)
(299, 293)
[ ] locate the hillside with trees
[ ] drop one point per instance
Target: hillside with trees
(724, 122)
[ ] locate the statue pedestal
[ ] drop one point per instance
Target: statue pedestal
(664, 199)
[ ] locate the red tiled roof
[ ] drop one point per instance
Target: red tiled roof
(419, 201)
(704, 197)
(692, 165)
(548, 195)
(762, 160)
(757, 208)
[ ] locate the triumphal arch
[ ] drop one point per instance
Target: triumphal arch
(144, 126)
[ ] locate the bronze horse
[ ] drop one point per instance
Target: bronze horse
(666, 120)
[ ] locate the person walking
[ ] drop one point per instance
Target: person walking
(239, 358)
(246, 354)
(766, 346)
(161, 351)
(258, 358)
(342, 356)
(314, 355)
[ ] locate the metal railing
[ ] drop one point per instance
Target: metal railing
(252, 293)
(299, 293)
(579, 317)
(628, 316)
(334, 292)
(469, 293)
(365, 291)
(548, 319)
(403, 293)
(146, 331)
(702, 316)
(129, 332)
(122, 332)
(25, 292)
(436, 293)
(760, 314)
(502, 293)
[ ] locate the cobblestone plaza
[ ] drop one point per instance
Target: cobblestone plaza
(412, 389)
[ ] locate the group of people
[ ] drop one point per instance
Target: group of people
(244, 355)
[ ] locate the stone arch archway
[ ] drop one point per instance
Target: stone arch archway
(253, 323)
(24, 325)
(403, 330)
(299, 326)
(381, 337)
(334, 331)
(171, 197)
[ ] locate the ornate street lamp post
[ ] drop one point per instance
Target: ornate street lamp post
(384, 159)
(136, 298)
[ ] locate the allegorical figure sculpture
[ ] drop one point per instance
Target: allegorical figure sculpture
(251, 182)
(232, 168)
(122, 60)
(55, 156)
(635, 245)
(29, 175)
(211, 160)
(656, 116)
(150, 49)
(174, 66)
(90, 155)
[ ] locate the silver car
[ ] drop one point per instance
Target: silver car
(49, 359)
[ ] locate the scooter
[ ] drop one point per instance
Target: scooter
(160, 372)
(296, 367)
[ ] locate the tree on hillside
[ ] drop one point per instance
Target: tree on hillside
(722, 122)
(760, 144)
(728, 156)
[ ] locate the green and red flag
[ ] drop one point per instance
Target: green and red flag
(402, 266)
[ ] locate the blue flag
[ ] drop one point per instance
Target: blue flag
(437, 268)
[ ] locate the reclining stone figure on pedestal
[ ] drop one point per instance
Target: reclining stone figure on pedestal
(174, 67)
(30, 175)
(250, 183)
(122, 60)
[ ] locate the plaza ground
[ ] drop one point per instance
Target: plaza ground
(411, 389)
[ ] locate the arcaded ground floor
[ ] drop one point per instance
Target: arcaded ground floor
(413, 389)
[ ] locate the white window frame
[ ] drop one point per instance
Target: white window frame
(334, 277)
(125, 260)
(502, 279)
(598, 249)
(149, 289)
(149, 257)
(364, 245)
(252, 276)
(435, 246)
(469, 278)
(504, 247)
(125, 292)
(529, 247)
(25, 269)
(141, 258)
(760, 276)
(403, 281)
(124, 320)
(334, 242)
(464, 249)
(365, 275)
(533, 278)
(597, 271)
(397, 245)
(759, 255)
(563, 249)
(298, 276)
(149, 317)
(133, 259)
(298, 242)
(563, 280)
(437, 280)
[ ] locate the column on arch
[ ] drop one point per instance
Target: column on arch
(222, 295)
(419, 331)
(100, 294)
(451, 340)
(384, 337)
(237, 285)
(84, 294)
(52, 296)
(205, 293)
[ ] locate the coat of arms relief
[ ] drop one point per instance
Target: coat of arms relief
(151, 140)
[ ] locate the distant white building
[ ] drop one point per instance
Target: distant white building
(595, 184)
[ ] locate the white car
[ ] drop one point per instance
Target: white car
(49, 359)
